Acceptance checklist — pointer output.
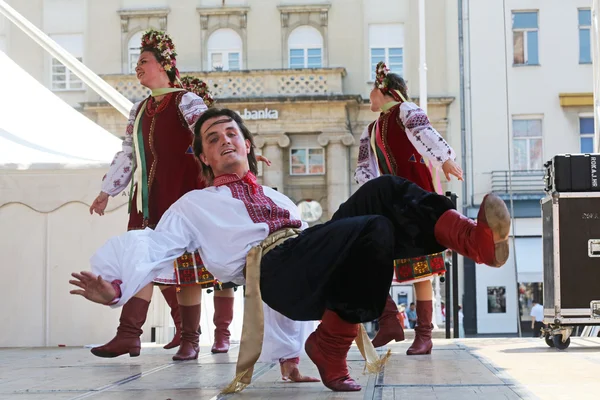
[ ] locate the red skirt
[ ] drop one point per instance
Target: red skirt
(419, 268)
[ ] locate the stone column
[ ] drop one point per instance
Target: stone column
(338, 170)
(272, 146)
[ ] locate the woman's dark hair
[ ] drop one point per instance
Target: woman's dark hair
(396, 82)
(207, 172)
(159, 58)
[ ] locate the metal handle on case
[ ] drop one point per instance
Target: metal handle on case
(594, 248)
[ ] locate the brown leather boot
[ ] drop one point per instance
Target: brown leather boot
(422, 343)
(389, 325)
(127, 340)
(222, 318)
(328, 348)
(485, 242)
(190, 338)
(170, 295)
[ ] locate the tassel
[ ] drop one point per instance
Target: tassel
(236, 385)
(373, 363)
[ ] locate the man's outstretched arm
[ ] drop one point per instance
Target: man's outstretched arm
(94, 288)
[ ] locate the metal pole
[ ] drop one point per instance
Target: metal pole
(454, 275)
(455, 291)
(448, 300)
(422, 58)
(110, 94)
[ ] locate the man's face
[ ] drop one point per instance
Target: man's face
(412, 307)
(224, 148)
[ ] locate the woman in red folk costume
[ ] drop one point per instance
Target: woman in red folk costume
(157, 158)
(399, 143)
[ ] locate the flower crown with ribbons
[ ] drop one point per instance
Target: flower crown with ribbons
(160, 41)
(199, 88)
(382, 81)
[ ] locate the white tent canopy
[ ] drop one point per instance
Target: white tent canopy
(52, 159)
(37, 128)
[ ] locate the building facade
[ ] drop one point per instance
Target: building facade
(300, 72)
(528, 96)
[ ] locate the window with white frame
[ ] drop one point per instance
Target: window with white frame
(307, 161)
(386, 43)
(525, 38)
(224, 50)
(61, 78)
(585, 25)
(586, 134)
(133, 50)
(305, 45)
(527, 144)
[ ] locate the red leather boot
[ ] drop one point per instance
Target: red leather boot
(422, 343)
(486, 241)
(389, 325)
(170, 295)
(190, 336)
(127, 340)
(222, 318)
(328, 348)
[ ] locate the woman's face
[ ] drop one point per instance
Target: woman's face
(150, 72)
(377, 99)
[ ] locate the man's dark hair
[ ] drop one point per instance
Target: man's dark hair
(207, 172)
(412, 304)
(159, 58)
(396, 82)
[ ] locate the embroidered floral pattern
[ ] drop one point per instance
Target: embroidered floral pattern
(260, 207)
(364, 171)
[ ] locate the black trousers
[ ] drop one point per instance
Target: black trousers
(346, 264)
(537, 328)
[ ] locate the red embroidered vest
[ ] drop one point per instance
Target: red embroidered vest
(172, 168)
(396, 154)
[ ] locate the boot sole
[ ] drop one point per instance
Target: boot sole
(104, 354)
(498, 219)
(185, 359)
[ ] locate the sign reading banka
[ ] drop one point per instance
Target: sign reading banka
(259, 114)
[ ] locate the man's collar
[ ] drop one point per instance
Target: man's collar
(226, 179)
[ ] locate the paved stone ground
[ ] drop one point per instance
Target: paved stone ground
(465, 369)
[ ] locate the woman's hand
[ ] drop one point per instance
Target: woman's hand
(99, 205)
(263, 159)
(452, 168)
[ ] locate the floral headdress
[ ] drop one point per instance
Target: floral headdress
(160, 41)
(199, 88)
(382, 81)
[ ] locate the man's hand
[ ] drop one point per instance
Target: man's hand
(452, 168)
(94, 288)
(263, 159)
(290, 372)
(99, 204)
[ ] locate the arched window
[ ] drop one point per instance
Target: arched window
(305, 45)
(133, 50)
(225, 50)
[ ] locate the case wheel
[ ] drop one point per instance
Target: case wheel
(558, 342)
(549, 340)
